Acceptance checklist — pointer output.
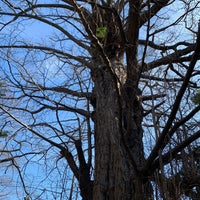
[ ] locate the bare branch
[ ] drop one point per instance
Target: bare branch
(158, 5)
(50, 50)
(173, 153)
(64, 151)
(175, 57)
(161, 142)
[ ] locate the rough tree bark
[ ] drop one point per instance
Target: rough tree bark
(119, 151)
(118, 137)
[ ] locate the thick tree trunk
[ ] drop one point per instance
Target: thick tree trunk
(115, 176)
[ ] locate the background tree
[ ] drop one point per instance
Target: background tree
(100, 98)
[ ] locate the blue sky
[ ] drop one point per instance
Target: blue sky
(38, 32)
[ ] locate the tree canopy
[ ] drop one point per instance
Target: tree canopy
(100, 99)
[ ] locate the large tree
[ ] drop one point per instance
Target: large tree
(100, 98)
